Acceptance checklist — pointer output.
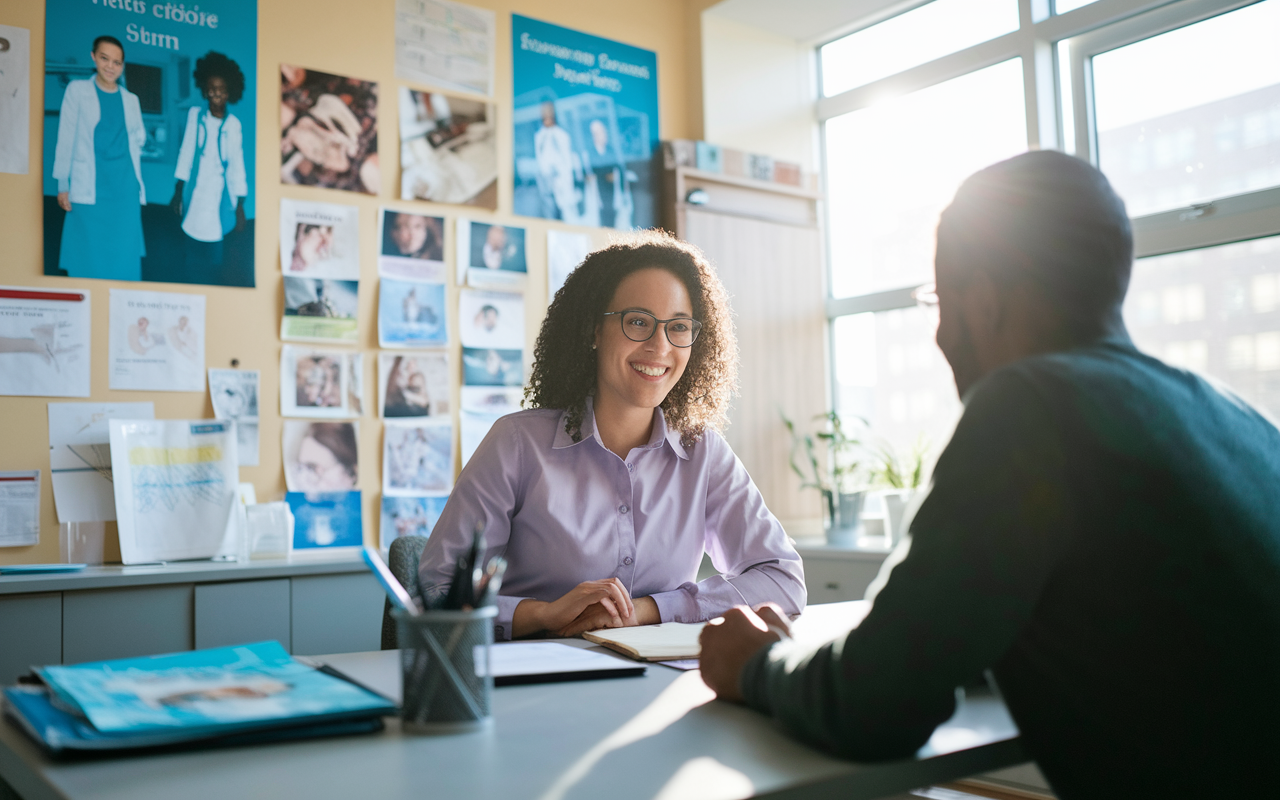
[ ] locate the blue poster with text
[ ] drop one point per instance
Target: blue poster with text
(586, 127)
(149, 131)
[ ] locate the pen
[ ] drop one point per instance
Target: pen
(394, 589)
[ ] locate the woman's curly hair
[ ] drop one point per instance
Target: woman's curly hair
(213, 64)
(564, 364)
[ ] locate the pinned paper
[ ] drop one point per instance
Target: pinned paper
(80, 457)
(19, 508)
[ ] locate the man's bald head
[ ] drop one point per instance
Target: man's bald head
(1048, 222)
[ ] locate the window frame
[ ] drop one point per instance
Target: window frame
(1089, 30)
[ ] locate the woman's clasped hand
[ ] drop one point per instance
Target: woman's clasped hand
(589, 606)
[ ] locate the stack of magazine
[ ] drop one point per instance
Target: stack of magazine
(228, 695)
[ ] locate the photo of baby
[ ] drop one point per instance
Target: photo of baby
(413, 385)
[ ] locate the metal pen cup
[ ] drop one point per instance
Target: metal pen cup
(444, 664)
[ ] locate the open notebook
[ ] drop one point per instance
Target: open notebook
(666, 641)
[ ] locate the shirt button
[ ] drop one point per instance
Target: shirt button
(631, 468)
(623, 509)
(627, 561)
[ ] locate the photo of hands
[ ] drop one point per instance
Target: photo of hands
(328, 130)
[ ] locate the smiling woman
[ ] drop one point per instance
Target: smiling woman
(605, 493)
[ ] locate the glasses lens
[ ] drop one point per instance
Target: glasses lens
(638, 326)
(681, 332)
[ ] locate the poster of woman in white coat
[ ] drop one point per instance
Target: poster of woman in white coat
(149, 156)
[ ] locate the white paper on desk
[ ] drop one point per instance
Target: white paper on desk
(15, 99)
(234, 393)
(175, 483)
(545, 658)
(44, 341)
(445, 44)
(19, 508)
(156, 341)
(80, 457)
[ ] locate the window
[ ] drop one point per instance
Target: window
(1174, 131)
(1215, 310)
(1179, 106)
(891, 171)
(931, 31)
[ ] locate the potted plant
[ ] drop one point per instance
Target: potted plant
(833, 468)
(901, 477)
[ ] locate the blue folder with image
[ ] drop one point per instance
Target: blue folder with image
(183, 697)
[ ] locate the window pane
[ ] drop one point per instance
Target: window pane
(890, 372)
(1216, 311)
(893, 167)
(1194, 114)
(908, 40)
(1063, 6)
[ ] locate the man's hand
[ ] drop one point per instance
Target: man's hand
(729, 642)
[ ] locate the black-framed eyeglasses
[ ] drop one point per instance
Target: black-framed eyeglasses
(638, 326)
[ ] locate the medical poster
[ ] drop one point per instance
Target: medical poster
(320, 310)
(409, 516)
(448, 149)
(150, 118)
(175, 485)
(328, 130)
(156, 341)
(325, 522)
(413, 384)
(411, 314)
(324, 384)
(321, 456)
(19, 508)
(481, 407)
(80, 457)
(412, 246)
(319, 240)
(15, 99)
(585, 127)
(441, 43)
(565, 251)
(491, 256)
(44, 342)
(234, 393)
(417, 457)
(491, 319)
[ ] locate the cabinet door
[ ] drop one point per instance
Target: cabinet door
(774, 273)
(30, 633)
(832, 580)
(336, 614)
(241, 612)
(123, 623)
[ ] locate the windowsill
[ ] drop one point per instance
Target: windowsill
(876, 547)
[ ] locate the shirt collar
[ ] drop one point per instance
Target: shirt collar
(588, 430)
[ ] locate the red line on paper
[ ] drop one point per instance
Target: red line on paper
(18, 294)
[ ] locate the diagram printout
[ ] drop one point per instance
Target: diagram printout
(175, 481)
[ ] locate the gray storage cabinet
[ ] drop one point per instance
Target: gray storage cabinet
(310, 607)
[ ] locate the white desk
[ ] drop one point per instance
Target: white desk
(659, 736)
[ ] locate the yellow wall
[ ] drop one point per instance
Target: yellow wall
(348, 39)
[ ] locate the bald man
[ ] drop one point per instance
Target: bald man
(1102, 532)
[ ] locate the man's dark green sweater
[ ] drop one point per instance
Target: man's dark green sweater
(1103, 532)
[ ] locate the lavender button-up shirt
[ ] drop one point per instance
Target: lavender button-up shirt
(564, 512)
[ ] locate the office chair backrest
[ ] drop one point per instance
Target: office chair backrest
(406, 552)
